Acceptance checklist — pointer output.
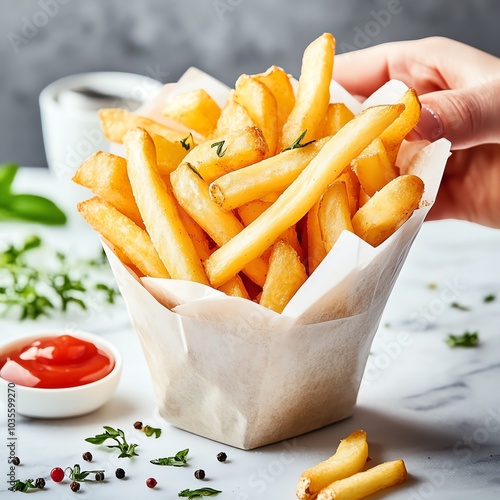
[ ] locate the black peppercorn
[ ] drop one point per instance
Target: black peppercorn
(221, 457)
(99, 476)
(199, 474)
(87, 456)
(75, 486)
(40, 483)
(138, 425)
(120, 473)
(15, 461)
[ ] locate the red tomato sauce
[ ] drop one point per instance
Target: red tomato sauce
(55, 362)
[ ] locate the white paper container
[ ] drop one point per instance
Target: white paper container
(235, 372)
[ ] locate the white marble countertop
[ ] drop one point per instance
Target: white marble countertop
(436, 407)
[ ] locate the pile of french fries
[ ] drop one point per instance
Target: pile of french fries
(252, 199)
(340, 477)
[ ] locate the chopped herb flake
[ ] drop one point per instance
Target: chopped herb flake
(467, 339)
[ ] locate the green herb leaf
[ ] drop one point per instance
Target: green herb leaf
(150, 431)
(194, 170)
(23, 486)
(8, 173)
(489, 298)
(297, 143)
(179, 460)
(467, 339)
(219, 145)
(34, 208)
(126, 450)
(184, 142)
(76, 474)
(460, 307)
(202, 492)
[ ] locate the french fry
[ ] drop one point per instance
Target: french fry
(115, 123)
(374, 168)
(349, 459)
(261, 106)
(278, 82)
(285, 276)
(229, 152)
(233, 117)
(366, 483)
(270, 175)
(301, 195)
(106, 175)
(350, 179)
(191, 191)
(388, 209)
(337, 115)
(393, 136)
(198, 236)
(314, 92)
(195, 109)
(159, 211)
(126, 236)
(334, 214)
(316, 251)
(363, 198)
(169, 154)
(235, 288)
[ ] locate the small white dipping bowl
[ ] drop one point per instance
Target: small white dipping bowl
(65, 402)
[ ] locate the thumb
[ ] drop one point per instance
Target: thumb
(467, 117)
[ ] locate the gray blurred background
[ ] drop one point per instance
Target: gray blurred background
(44, 40)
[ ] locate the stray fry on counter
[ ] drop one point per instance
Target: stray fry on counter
(256, 202)
(340, 477)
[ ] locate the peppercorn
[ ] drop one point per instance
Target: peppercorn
(15, 461)
(40, 483)
(75, 486)
(221, 457)
(120, 473)
(199, 474)
(99, 476)
(87, 456)
(151, 482)
(138, 425)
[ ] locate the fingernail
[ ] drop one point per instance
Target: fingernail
(429, 127)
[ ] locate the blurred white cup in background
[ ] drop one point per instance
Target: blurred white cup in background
(68, 107)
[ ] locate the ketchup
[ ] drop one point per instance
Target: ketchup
(55, 362)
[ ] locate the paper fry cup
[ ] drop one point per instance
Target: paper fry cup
(233, 371)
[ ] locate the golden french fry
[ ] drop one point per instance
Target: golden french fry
(106, 175)
(159, 210)
(226, 153)
(316, 251)
(388, 209)
(349, 458)
(126, 236)
(268, 176)
(235, 288)
(334, 214)
(278, 82)
(261, 106)
(337, 115)
(233, 117)
(285, 276)
(366, 483)
(353, 188)
(191, 192)
(169, 154)
(115, 123)
(393, 136)
(195, 109)
(374, 168)
(314, 92)
(363, 198)
(301, 195)
(198, 236)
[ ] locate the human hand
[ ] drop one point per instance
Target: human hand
(459, 87)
